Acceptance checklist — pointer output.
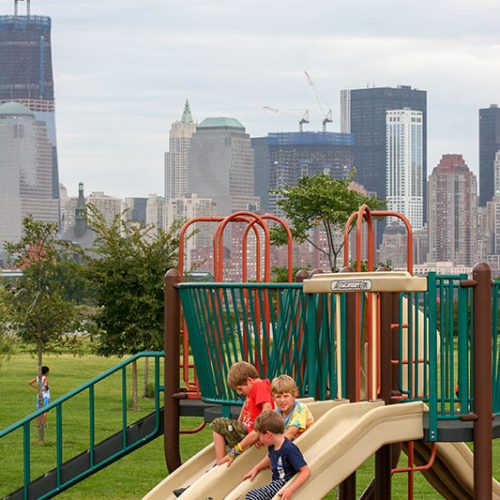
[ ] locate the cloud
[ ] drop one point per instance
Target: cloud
(123, 70)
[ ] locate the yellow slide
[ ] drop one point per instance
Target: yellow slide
(198, 469)
(342, 440)
(452, 474)
(336, 445)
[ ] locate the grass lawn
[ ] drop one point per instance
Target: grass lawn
(134, 475)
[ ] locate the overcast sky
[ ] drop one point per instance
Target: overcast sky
(123, 70)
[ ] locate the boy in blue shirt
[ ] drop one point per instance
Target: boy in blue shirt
(284, 458)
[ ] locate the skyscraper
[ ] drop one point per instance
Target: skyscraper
(293, 155)
(26, 72)
(404, 157)
(261, 171)
(489, 144)
(221, 163)
(25, 171)
(452, 212)
(176, 160)
(363, 113)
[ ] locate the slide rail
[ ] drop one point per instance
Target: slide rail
(24, 425)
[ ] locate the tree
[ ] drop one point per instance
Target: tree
(5, 337)
(320, 201)
(127, 275)
(39, 313)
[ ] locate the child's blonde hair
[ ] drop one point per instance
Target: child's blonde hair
(239, 373)
(269, 421)
(282, 384)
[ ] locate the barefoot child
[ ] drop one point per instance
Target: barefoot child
(239, 434)
(297, 416)
(284, 458)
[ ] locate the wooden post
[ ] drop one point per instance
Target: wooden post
(171, 444)
(483, 471)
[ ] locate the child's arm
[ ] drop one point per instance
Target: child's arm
(263, 464)
(267, 407)
(291, 433)
(32, 383)
(247, 441)
(300, 478)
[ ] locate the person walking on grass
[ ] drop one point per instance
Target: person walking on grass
(284, 458)
(43, 394)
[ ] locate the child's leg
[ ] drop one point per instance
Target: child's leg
(266, 492)
(219, 446)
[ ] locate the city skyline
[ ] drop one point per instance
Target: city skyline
(123, 71)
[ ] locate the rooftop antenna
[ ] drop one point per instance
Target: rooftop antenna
(16, 9)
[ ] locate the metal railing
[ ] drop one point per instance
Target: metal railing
(274, 326)
(280, 329)
(58, 404)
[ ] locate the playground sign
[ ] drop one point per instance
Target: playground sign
(389, 281)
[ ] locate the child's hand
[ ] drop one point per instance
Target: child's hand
(227, 458)
(251, 474)
(285, 494)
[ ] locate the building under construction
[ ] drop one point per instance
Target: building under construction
(293, 155)
(26, 71)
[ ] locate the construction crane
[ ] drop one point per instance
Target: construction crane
(302, 121)
(327, 117)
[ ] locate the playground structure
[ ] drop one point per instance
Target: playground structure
(400, 343)
(381, 336)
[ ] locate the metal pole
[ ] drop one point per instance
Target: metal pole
(383, 456)
(347, 489)
(171, 444)
(483, 471)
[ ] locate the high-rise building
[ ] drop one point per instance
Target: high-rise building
(176, 160)
(363, 113)
(135, 210)
(453, 212)
(26, 72)
(293, 155)
(155, 212)
(489, 144)
(186, 208)
(221, 165)
(404, 160)
(25, 171)
(261, 171)
(107, 205)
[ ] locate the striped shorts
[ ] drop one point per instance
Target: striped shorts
(266, 492)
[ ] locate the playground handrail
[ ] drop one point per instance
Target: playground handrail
(57, 405)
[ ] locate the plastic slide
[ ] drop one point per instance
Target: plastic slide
(342, 440)
(452, 474)
(198, 469)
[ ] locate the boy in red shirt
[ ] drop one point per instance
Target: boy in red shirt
(239, 434)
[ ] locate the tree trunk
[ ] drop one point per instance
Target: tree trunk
(146, 377)
(135, 398)
(41, 426)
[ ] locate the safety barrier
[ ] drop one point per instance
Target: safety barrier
(98, 455)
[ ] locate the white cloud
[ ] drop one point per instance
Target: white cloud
(124, 68)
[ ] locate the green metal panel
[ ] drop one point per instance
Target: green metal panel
(275, 327)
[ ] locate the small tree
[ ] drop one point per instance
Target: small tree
(5, 337)
(320, 201)
(40, 314)
(127, 280)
